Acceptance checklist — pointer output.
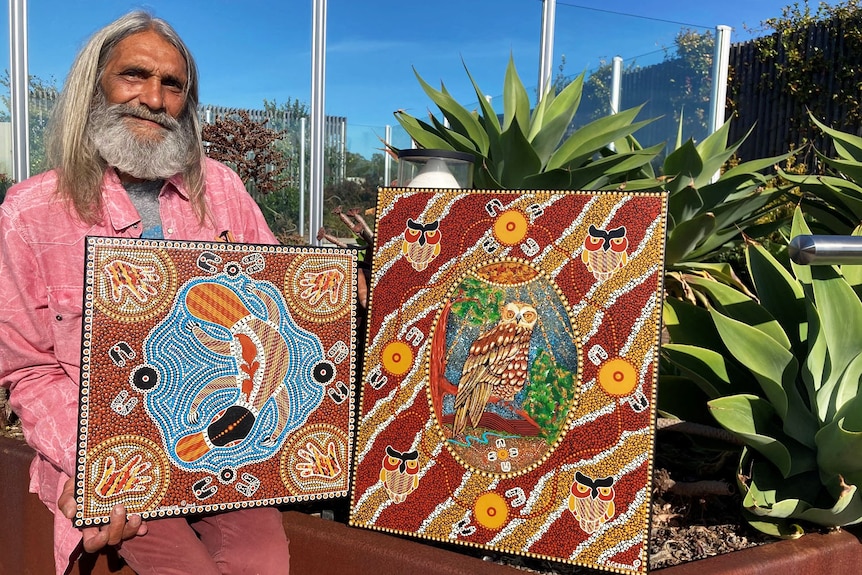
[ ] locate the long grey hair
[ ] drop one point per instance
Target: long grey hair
(70, 149)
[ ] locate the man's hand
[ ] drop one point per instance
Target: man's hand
(118, 529)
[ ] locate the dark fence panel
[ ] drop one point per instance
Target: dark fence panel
(778, 112)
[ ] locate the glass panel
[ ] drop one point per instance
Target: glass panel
(256, 51)
(436, 40)
(667, 68)
(5, 118)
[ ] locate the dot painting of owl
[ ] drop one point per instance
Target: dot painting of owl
(421, 243)
(605, 251)
(592, 501)
(496, 364)
(399, 473)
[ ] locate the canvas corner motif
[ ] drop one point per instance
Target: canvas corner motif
(508, 388)
(214, 376)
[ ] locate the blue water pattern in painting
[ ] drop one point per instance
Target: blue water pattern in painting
(185, 366)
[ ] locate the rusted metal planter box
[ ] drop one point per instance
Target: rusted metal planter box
(321, 547)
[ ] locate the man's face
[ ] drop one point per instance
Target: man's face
(146, 70)
(138, 121)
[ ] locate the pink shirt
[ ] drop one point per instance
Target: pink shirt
(41, 294)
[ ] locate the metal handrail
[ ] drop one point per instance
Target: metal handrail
(816, 250)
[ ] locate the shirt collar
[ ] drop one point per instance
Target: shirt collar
(119, 208)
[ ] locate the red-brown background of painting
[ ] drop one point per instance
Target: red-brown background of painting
(463, 226)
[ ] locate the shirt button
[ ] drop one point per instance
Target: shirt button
(170, 230)
(58, 317)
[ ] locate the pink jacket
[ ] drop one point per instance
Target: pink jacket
(41, 294)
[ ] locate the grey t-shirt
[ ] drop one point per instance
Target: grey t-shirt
(145, 197)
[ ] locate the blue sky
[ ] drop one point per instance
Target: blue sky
(248, 50)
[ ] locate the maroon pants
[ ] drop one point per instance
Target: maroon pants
(246, 541)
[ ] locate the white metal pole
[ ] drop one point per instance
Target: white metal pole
(317, 127)
(720, 69)
(546, 56)
(343, 149)
(19, 89)
(387, 157)
(302, 188)
(616, 83)
(616, 89)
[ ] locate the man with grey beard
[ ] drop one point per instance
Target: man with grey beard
(127, 162)
(149, 159)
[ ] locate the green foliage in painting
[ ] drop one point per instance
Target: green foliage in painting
(478, 303)
(550, 394)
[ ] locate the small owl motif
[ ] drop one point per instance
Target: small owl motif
(399, 473)
(496, 364)
(592, 501)
(421, 243)
(605, 251)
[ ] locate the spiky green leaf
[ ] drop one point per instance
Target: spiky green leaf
(684, 204)
(722, 272)
(839, 441)
(460, 119)
(423, 133)
(683, 166)
(755, 421)
(516, 103)
(780, 294)
(519, 158)
(735, 304)
(715, 152)
(775, 369)
(587, 141)
(848, 146)
(707, 368)
(684, 236)
(610, 167)
(547, 132)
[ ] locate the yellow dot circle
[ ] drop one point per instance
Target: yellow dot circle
(397, 358)
(502, 454)
(510, 228)
(491, 510)
(618, 377)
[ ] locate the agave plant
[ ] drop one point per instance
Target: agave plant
(834, 199)
(531, 149)
(782, 373)
(708, 207)
(534, 149)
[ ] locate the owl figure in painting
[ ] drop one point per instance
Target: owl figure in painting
(399, 473)
(592, 501)
(421, 243)
(605, 251)
(496, 364)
